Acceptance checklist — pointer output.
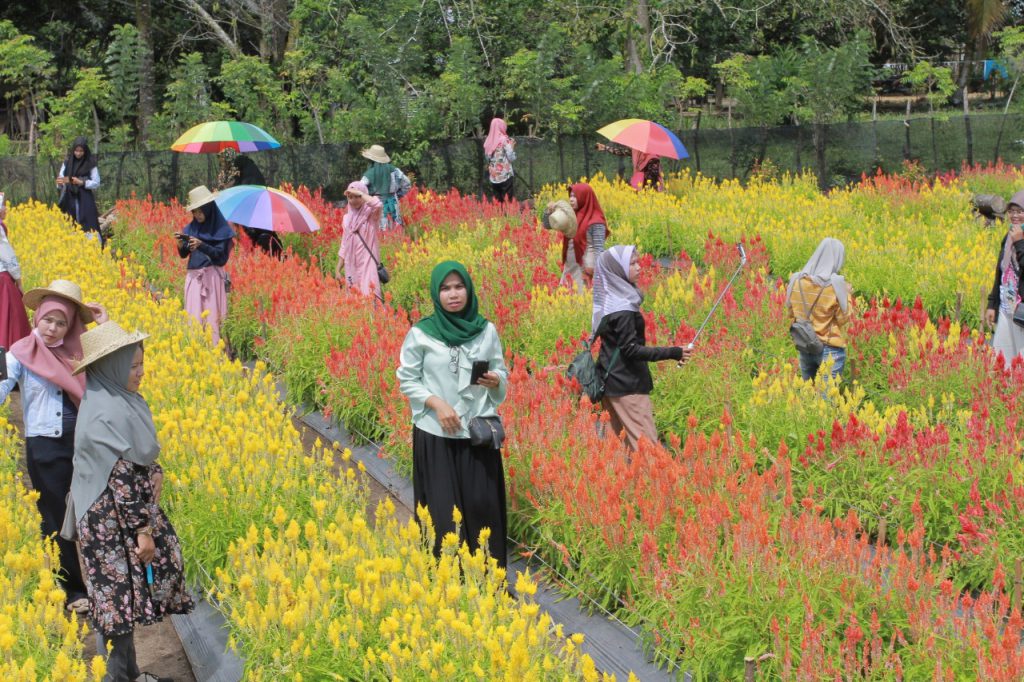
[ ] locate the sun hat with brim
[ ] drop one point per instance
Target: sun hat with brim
(376, 153)
(560, 218)
(61, 288)
(104, 339)
(199, 196)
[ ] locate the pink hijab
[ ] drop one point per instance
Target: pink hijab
(496, 137)
(55, 363)
(358, 219)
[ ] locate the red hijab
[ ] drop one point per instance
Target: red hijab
(55, 364)
(588, 212)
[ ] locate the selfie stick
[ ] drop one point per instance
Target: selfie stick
(714, 307)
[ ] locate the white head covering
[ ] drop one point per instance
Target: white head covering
(613, 292)
(823, 269)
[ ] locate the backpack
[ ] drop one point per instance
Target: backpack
(802, 331)
(583, 368)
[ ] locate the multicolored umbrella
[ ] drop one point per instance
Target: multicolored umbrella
(265, 209)
(645, 136)
(215, 136)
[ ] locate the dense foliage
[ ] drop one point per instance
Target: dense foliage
(409, 73)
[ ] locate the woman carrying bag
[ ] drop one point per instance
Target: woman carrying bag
(819, 295)
(624, 351)
(359, 254)
(1005, 296)
(453, 373)
(132, 556)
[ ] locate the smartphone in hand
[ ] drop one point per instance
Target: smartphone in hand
(480, 368)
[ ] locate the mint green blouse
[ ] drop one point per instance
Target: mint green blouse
(426, 370)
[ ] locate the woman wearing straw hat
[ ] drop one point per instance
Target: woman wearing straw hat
(132, 555)
(42, 363)
(206, 243)
(386, 181)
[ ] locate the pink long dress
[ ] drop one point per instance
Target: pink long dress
(360, 265)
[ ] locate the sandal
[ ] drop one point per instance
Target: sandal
(79, 606)
(150, 677)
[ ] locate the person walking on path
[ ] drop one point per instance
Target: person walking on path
(624, 352)
(359, 254)
(819, 293)
(78, 179)
(500, 150)
(41, 364)
(13, 320)
(591, 230)
(1006, 291)
(646, 167)
(206, 243)
(435, 374)
(385, 181)
(132, 556)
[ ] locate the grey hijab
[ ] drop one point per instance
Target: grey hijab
(113, 424)
(613, 292)
(823, 269)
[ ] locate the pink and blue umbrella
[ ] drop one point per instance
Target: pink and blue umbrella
(266, 209)
(645, 136)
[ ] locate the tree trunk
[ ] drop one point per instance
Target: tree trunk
(819, 155)
(147, 101)
(212, 24)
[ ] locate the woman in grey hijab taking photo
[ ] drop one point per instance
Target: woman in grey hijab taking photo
(134, 569)
(624, 351)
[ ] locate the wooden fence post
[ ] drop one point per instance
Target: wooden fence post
(881, 532)
(749, 669)
(967, 130)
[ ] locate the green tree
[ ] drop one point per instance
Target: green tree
(123, 64)
(74, 113)
(935, 83)
(187, 101)
(24, 71)
(458, 95)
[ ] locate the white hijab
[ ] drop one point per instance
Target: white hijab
(823, 269)
(613, 292)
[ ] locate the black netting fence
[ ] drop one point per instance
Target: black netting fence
(837, 153)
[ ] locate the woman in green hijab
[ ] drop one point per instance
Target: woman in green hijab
(435, 374)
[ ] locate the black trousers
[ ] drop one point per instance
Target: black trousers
(448, 473)
(121, 663)
(503, 190)
(50, 466)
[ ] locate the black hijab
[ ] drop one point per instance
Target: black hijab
(79, 168)
(213, 228)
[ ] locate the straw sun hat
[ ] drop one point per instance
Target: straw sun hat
(560, 217)
(199, 196)
(104, 339)
(376, 153)
(62, 288)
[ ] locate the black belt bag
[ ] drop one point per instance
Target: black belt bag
(486, 432)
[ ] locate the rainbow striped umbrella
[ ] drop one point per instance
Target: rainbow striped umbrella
(215, 136)
(645, 136)
(265, 209)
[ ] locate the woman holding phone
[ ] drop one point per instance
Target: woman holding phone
(78, 179)
(436, 374)
(206, 243)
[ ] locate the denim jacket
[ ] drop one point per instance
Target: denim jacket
(42, 402)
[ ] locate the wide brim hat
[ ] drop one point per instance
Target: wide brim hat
(61, 288)
(376, 153)
(104, 339)
(561, 218)
(199, 196)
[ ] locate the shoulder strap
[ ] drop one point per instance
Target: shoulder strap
(374, 258)
(807, 312)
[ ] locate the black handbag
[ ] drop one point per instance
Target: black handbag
(382, 272)
(486, 432)
(802, 331)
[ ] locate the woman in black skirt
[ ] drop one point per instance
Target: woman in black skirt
(435, 375)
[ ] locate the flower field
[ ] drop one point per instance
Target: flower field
(312, 588)
(875, 532)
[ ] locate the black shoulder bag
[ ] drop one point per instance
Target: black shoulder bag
(583, 368)
(802, 331)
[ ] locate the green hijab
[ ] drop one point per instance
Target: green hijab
(458, 328)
